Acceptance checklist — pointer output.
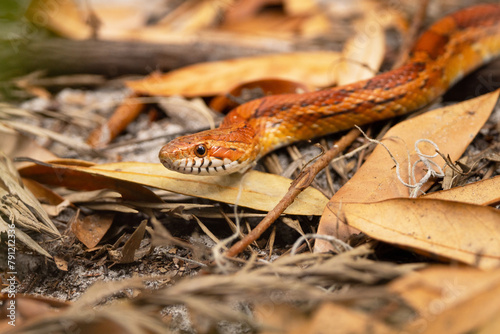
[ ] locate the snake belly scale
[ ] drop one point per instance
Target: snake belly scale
(448, 50)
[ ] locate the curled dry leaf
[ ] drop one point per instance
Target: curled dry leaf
(42, 193)
(212, 78)
(254, 89)
(451, 230)
(451, 299)
(451, 128)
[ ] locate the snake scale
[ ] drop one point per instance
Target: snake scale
(452, 47)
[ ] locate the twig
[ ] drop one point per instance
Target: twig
(298, 185)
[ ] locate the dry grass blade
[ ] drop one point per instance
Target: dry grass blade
(19, 208)
(21, 199)
(302, 278)
(77, 145)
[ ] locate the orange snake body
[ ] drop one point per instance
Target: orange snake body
(448, 50)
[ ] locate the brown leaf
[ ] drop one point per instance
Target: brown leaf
(451, 299)
(130, 247)
(91, 229)
(451, 128)
(344, 320)
(212, 78)
(484, 192)
(451, 230)
(17, 145)
(66, 174)
(61, 263)
(42, 193)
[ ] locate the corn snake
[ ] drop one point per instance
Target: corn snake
(452, 47)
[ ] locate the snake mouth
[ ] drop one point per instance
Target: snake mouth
(201, 166)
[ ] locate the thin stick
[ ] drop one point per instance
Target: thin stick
(298, 185)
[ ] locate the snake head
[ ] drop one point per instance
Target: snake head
(219, 151)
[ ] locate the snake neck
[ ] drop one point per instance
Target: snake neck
(448, 50)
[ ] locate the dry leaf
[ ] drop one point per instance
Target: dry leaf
(128, 111)
(128, 253)
(17, 145)
(61, 263)
(64, 17)
(456, 231)
(451, 128)
(301, 7)
(242, 10)
(260, 191)
(66, 174)
(282, 316)
(254, 89)
(362, 54)
(212, 78)
(451, 300)
(72, 143)
(193, 15)
(91, 229)
(484, 192)
(344, 320)
(491, 326)
(42, 193)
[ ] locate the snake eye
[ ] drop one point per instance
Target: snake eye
(200, 150)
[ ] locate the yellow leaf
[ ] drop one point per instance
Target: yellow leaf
(259, 191)
(212, 78)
